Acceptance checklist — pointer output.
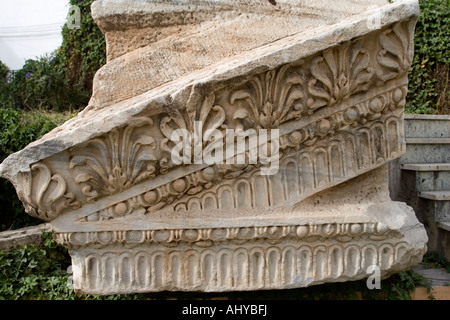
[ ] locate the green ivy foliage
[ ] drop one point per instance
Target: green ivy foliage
(43, 84)
(41, 272)
(4, 71)
(83, 50)
(35, 272)
(428, 90)
(432, 260)
(62, 80)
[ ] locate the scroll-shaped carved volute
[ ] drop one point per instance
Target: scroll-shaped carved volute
(396, 54)
(338, 73)
(270, 98)
(116, 161)
(45, 194)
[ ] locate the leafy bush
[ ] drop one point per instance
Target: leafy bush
(4, 71)
(59, 82)
(4, 74)
(83, 50)
(17, 129)
(428, 90)
(62, 80)
(42, 84)
(35, 272)
(432, 260)
(41, 272)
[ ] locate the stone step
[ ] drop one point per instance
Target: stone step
(427, 140)
(427, 150)
(437, 277)
(441, 204)
(426, 167)
(432, 126)
(435, 195)
(426, 153)
(444, 225)
(29, 235)
(430, 176)
(439, 280)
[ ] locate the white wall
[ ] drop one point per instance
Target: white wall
(30, 29)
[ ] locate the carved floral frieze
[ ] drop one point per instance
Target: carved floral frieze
(318, 156)
(274, 99)
(112, 163)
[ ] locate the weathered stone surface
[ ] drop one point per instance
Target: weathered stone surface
(164, 41)
(29, 235)
(328, 88)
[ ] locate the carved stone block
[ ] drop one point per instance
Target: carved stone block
(223, 150)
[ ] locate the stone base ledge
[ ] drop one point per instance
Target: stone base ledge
(235, 265)
(329, 245)
(243, 259)
(30, 235)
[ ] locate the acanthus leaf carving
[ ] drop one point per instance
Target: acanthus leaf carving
(270, 98)
(338, 73)
(197, 128)
(396, 52)
(116, 161)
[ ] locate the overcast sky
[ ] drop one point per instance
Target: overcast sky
(29, 29)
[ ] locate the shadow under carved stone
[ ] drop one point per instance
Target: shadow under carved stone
(305, 118)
